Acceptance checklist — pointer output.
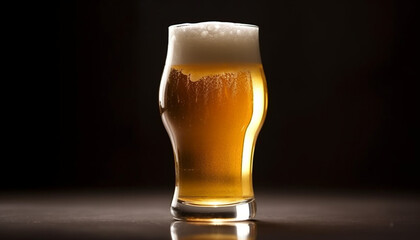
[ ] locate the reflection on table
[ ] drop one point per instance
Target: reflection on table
(215, 230)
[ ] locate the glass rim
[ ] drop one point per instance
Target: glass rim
(180, 25)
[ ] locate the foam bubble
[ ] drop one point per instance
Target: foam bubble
(213, 42)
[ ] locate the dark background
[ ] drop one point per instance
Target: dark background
(82, 77)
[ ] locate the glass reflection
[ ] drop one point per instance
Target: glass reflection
(215, 230)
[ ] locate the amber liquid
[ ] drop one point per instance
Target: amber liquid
(213, 114)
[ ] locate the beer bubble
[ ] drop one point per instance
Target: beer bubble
(204, 33)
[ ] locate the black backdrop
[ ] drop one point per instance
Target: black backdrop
(83, 109)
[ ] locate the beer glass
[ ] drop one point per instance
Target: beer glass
(213, 101)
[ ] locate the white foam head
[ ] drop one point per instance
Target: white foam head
(213, 42)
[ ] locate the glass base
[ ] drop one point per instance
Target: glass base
(236, 212)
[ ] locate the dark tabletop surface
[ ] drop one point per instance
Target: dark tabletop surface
(134, 215)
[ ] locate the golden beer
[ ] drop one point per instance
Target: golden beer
(213, 111)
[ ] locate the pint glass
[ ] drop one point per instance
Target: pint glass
(213, 101)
